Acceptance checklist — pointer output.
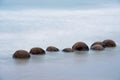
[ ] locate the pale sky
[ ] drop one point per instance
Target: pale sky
(57, 3)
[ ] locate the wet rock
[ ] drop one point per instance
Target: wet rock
(21, 54)
(97, 47)
(80, 46)
(37, 51)
(67, 50)
(98, 42)
(109, 43)
(52, 49)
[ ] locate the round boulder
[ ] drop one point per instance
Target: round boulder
(97, 47)
(52, 49)
(80, 46)
(109, 43)
(99, 43)
(37, 51)
(22, 54)
(67, 50)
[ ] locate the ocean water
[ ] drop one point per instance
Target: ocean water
(42, 27)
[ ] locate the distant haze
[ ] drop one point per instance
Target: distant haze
(58, 3)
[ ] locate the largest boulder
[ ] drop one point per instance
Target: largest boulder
(37, 51)
(22, 54)
(80, 46)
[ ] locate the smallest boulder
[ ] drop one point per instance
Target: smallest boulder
(97, 47)
(109, 43)
(52, 49)
(67, 50)
(22, 54)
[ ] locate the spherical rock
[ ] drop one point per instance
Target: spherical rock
(21, 54)
(98, 42)
(109, 43)
(80, 46)
(52, 49)
(67, 50)
(37, 51)
(97, 47)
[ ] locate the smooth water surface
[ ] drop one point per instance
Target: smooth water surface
(24, 29)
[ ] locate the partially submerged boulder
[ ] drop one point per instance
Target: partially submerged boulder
(97, 47)
(80, 46)
(67, 50)
(52, 49)
(37, 51)
(109, 43)
(22, 54)
(99, 43)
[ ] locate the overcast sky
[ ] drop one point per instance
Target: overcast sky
(57, 3)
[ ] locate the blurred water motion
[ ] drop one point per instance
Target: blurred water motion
(27, 28)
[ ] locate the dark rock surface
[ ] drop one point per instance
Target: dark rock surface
(80, 46)
(67, 50)
(21, 54)
(37, 50)
(109, 43)
(97, 47)
(52, 49)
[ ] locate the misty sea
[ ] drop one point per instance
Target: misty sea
(26, 24)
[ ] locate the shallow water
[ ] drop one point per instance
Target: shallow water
(24, 29)
(92, 65)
